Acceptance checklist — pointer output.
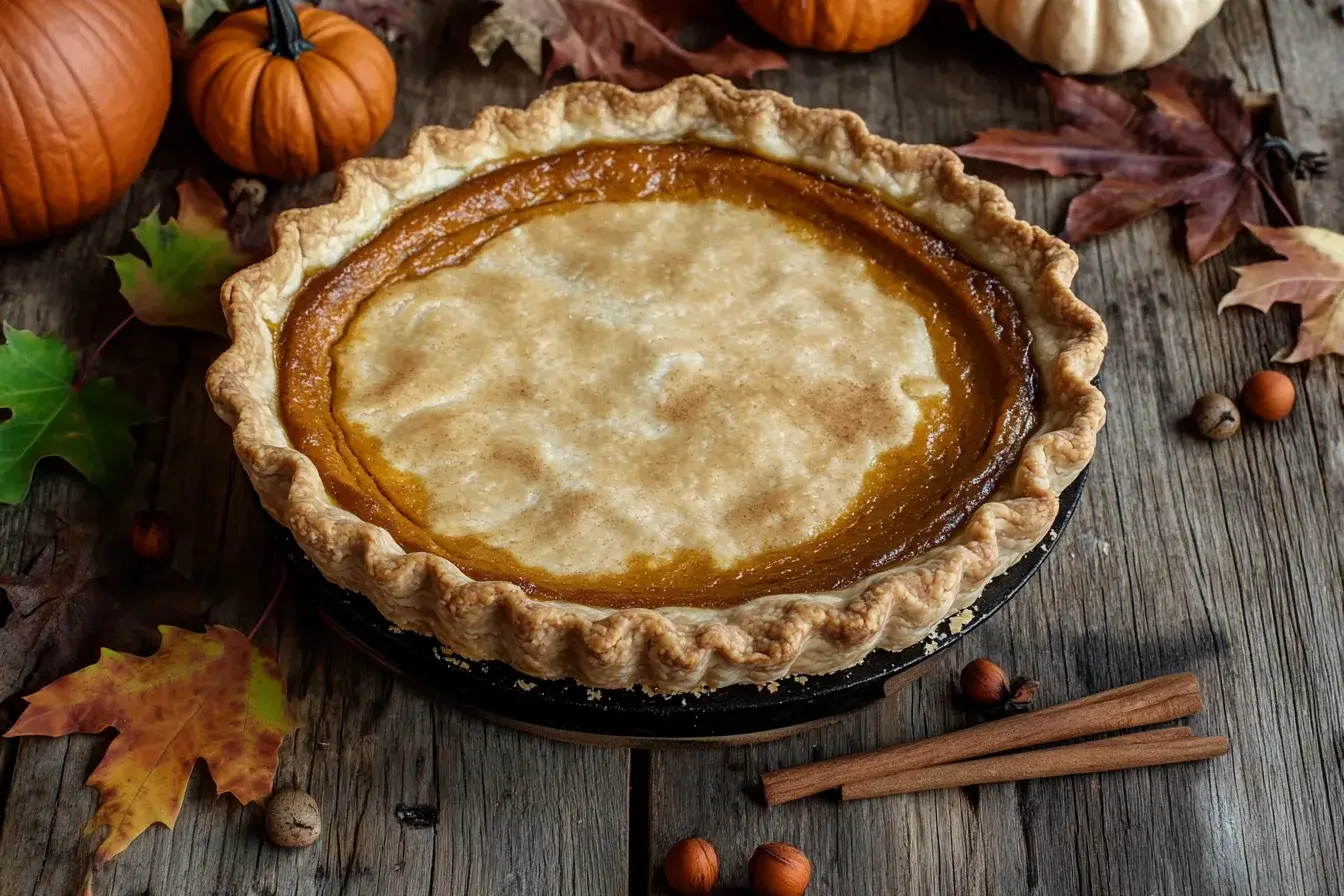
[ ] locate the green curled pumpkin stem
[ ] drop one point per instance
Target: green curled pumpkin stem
(287, 38)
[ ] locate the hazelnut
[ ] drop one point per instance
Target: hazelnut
(779, 869)
(984, 682)
(151, 535)
(692, 867)
(292, 819)
(1269, 395)
(1216, 417)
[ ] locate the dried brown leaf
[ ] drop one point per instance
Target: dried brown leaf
(630, 42)
(389, 19)
(1311, 276)
(1192, 145)
(62, 611)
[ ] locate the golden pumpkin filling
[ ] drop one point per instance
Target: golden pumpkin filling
(639, 375)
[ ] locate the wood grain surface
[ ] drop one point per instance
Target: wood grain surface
(1224, 559)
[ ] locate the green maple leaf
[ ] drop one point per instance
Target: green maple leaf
(87, 426)
(189, 257)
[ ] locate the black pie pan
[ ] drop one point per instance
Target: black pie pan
(571, 711)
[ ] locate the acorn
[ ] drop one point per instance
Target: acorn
(292, 819)
(1215, 417)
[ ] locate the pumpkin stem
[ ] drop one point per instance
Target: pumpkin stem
(286, 36)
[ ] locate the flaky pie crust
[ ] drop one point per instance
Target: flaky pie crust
(669, 649)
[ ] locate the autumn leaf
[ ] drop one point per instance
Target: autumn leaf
(1311, 276)
(630, 42)
(190, 256)
(389, 18)
(248, 226)
(195, 13)
(1192, 145)
(86, 424)
(63, 609)
(213, 696)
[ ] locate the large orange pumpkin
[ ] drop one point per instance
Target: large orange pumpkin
(84, 90)
(289, 93)
(850, 26)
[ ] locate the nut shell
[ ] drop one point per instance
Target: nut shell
(692, 867)
(1215, 417)
(779, 869)
(292, 819)
(1269, 395)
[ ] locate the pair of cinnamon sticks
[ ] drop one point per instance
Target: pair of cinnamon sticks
(954, 760)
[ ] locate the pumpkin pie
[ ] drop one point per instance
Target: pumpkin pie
(676, 389)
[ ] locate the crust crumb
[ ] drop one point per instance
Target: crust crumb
(960, 621)
(453, 659)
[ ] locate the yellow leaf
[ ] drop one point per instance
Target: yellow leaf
(213, 696)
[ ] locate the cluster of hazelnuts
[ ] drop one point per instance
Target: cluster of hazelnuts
(1268, 395)
(776, 869)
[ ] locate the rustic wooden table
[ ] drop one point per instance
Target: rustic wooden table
(1225, 559)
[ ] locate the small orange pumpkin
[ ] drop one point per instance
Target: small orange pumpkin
(84, 90)
(290, 93)
(849, 26)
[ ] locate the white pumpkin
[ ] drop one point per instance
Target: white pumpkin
(1097, 37)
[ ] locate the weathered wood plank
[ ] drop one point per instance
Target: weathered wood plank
(1221, 559)
(1184, 555)
(492, 811)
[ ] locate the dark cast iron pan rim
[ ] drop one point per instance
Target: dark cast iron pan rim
(569, 708)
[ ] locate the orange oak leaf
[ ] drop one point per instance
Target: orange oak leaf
(1191, 145)
(630, 42)
(213, 696)
(1311, 276)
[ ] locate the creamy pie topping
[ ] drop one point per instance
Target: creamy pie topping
(629, 380)
(644, 375)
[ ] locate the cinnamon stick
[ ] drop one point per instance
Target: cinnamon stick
(1106, 755)
(1132, 706)
(1155, 736)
